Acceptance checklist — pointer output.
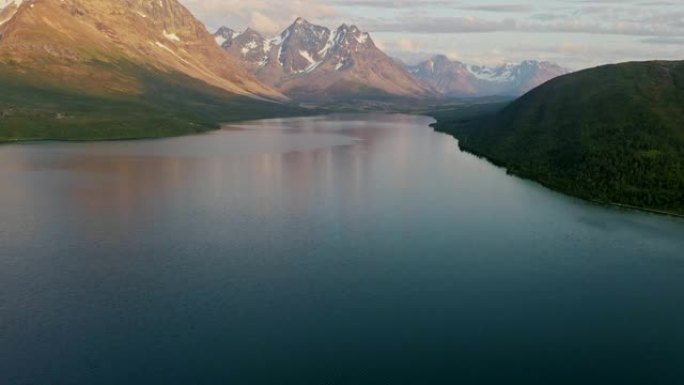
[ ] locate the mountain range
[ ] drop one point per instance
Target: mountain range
(108, 47)
(307, 61)
(120, 69)
(102, 69)
(457, 79)
(310, 62)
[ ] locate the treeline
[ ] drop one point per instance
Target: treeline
(599, 135)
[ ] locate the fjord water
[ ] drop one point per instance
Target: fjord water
(348, 249)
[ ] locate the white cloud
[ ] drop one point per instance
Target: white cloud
(484, 30)
(264, 15)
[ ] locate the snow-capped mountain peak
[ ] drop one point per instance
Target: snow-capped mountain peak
(351, 35)
(459, 79)
(504, 73)
(305, 50)
(511, 72)
(225, 36)
(301, 48)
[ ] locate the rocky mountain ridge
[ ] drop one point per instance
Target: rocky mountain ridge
(457, 79)
(308, 61)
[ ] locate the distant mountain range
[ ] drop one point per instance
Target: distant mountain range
(103, 46)
(310, 62)
(307, 61)
(456, 79)
(103, 69)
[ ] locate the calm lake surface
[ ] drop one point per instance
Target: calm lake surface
(349, 249)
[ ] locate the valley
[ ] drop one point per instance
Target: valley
(360, 192)
(97, 70)
(312, 63)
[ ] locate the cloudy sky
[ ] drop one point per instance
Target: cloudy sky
(573, 33)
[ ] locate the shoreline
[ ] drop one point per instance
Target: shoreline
(202, 129)
(435, 126)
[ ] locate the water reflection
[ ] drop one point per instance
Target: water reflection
(117, 179)
(365, 243)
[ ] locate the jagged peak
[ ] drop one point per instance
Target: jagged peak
(251, 32)
(302, 28)
(224, 31)
(351, 34)
(301, 23)
(440, 58)
(344, 27)
(224, 36)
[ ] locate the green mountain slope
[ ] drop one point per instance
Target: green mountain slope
(167, 104)
(612, 134)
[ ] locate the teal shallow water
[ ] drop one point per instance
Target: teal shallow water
(349, 249)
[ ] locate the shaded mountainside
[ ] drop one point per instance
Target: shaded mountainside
(456, 79)
(612, 134)
(313, 63)
(109, 69)
(167, 105)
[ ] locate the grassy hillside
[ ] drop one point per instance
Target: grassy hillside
(167, 104)
(612, 134)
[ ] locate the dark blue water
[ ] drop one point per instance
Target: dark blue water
(357, 249)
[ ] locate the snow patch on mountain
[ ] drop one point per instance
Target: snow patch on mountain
(458, 79)
(311, 45)
(328, 45)
(252, 45)
(6, 4)
(272, 42)
(306, 56)
(171, 36)
(283, 37)
(308, 61)
(362, 39)
(225, 36)
(312, 67)
(172, 52)
(500, 74)
(161, 45)
(220, 40)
